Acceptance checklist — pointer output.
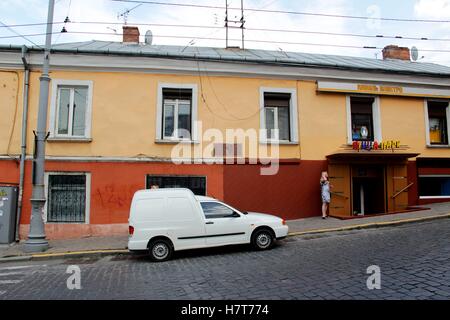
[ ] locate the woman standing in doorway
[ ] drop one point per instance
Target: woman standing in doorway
(325, 193)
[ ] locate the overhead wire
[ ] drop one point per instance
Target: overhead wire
(316, 14)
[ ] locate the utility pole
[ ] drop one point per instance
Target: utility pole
(235, 24)
(36, 238)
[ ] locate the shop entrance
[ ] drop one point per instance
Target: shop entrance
(368, 183)
(368, 190)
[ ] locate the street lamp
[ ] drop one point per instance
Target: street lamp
(36, 241)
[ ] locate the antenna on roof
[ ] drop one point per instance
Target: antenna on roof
(236, 24)
(125, 14)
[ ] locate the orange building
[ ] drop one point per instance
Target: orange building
(118, 110)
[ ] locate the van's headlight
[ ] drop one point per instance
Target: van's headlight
(283, 222)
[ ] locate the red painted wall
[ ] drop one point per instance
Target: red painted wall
(112, 184)
(292, 194)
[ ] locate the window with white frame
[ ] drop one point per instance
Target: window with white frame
(363, 117)
(177, 107)
(67, 197)
(71, 109)
(276, 109)
(437, 122)
(279, 115)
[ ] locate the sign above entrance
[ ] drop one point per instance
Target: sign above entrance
(375, 145)
(378, 89)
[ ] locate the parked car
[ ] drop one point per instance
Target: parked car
(166, 220)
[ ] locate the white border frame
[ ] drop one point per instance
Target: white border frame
(293, 115)
(87, 214)
(376, 117)
(54, 106)
(194, 108)
(427, 123)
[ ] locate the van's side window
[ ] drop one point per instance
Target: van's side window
(214, 210)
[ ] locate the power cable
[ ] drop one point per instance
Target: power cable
(283, 11)
(378, 36)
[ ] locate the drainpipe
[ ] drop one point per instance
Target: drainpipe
(23, 146)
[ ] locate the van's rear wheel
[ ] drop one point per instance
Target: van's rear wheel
(160, 250)
(262, 239)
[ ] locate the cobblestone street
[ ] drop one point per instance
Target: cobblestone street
(414, 261)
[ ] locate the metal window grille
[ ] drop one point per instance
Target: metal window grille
(194, 183)
(66, 198)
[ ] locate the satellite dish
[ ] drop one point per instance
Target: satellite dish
(414, 54)
(148, 37)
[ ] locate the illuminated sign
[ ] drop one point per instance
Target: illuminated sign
(375, 145)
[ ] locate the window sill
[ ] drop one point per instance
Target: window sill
(438, 146)
(281, 143)
(69, 139)
(161, 141)
(433, 197)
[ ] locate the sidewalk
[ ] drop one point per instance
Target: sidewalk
(118, 244)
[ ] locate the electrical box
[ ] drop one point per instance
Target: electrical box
(8, 211)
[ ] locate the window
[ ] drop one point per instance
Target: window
(71, 109)
(196, 184)
(213, 210)
(362, 119)
(176, 112)
(276, 108)
(437, 123)
(434, 187)
(278, 115)
(67, 198)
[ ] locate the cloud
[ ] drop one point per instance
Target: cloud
(432, 9)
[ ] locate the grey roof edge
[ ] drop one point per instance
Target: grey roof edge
(222, 58)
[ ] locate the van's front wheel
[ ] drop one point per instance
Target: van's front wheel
(262, 239)
(160, 250)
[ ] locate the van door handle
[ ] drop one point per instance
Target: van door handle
(209, 222)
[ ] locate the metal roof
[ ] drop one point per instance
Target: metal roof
(248, 56)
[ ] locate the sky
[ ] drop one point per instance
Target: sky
(13, 12)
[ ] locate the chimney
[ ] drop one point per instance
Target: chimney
(396, 52)
(130, 34)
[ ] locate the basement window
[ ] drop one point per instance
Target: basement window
(434, 187)
(197, 184)
(67, 197)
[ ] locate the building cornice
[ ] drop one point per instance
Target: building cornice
(137, 64)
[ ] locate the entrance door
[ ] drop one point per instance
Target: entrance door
(368, 189)
(339, 175)
(397, 180)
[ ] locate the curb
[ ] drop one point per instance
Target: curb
(370, 225)
(59, 255)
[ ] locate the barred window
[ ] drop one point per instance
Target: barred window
(66, 198)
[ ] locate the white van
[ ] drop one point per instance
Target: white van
(164, 220)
